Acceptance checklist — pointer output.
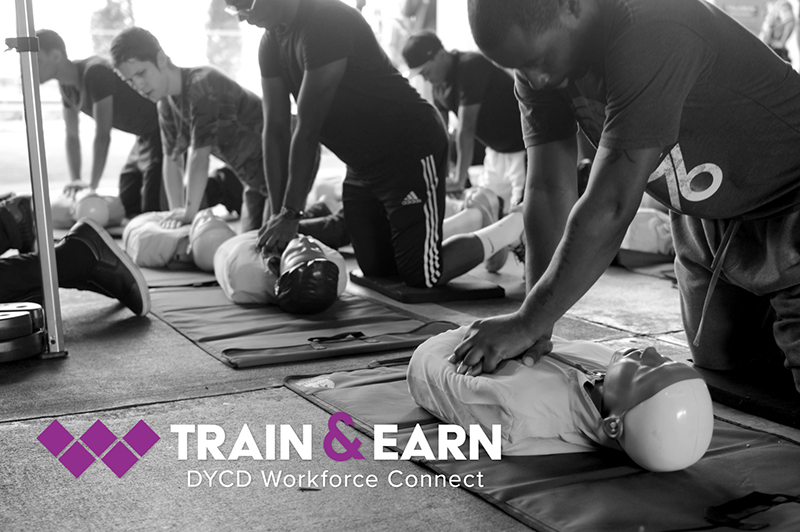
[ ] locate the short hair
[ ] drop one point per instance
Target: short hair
(135, 43)
(50, 40)
(490, 20)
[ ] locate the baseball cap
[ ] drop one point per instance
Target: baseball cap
(419, 49)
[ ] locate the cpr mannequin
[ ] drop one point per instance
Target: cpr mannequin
(580, 397)
(307, 278)
(105, 210)
(188, 246)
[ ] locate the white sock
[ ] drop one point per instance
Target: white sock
(500, 234)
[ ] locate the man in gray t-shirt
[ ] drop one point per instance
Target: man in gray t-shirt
(684, 103)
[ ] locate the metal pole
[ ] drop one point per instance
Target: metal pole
(27, 46)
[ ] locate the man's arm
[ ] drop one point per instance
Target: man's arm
(465, 141)
(276, 138)
(196, 178)
(313, 103)
(73, 143)
(103, 112)
(551, 193)
(173, 182)
(594, 230)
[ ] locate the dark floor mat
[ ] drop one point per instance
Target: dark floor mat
(464, 288)
(250, 335)
(602, 491)
(165, 278)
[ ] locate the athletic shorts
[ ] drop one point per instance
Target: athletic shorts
(393, 214)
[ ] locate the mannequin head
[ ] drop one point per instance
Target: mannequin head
(658, 410)
(309, 280)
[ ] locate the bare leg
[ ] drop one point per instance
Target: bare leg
(461, 253)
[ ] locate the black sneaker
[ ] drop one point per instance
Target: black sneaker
(114, 274)
(22, 233)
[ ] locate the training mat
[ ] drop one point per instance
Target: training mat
(602, 491)
(115, 231)
(766, 391)
(460, 289)
(249, 335)
(164, 277)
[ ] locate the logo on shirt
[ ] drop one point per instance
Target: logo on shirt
(411, 199)
(698, 184)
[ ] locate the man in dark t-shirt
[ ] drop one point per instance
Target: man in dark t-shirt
(351, 99)
(684, 103)
(91, 86)
(481, 96)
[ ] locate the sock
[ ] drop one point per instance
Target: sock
(501, 234)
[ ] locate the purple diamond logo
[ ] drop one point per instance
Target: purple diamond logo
(55, 438)
(77, 459)
(98, 438)
(119, 459)
(141, 438)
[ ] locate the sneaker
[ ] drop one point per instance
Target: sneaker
(22, 233)
(114, 274)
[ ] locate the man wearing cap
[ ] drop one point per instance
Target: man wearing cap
(482, 97)
(91, 86)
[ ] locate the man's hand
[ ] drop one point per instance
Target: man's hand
(176, 218)
(488, 342)
(275, 236)
(72, 188)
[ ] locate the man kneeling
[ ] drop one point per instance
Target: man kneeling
(578, 398)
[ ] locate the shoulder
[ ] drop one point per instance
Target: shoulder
(96, 67)
(327, 15)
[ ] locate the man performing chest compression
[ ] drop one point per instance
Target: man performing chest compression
(91, 86)
(354, 101)
(481, 95)
(683, 102)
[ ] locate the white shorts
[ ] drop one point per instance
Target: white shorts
(504, 174)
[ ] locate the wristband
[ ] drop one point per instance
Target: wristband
(291, 214)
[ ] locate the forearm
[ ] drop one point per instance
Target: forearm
(546, 215)
(173, 182)
(100, 154)
(465, 145)
(591, 239)
(301, 169)
(196, 179)
(73, 147)
(276, 164)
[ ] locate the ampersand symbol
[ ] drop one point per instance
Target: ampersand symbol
(351, 447)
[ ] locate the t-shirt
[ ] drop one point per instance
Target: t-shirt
(475, 80)
(684, 75)
(375, 115)
(214, 111)
(97, 80)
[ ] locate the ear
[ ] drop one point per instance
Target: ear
(612, 426)
(161, 60)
